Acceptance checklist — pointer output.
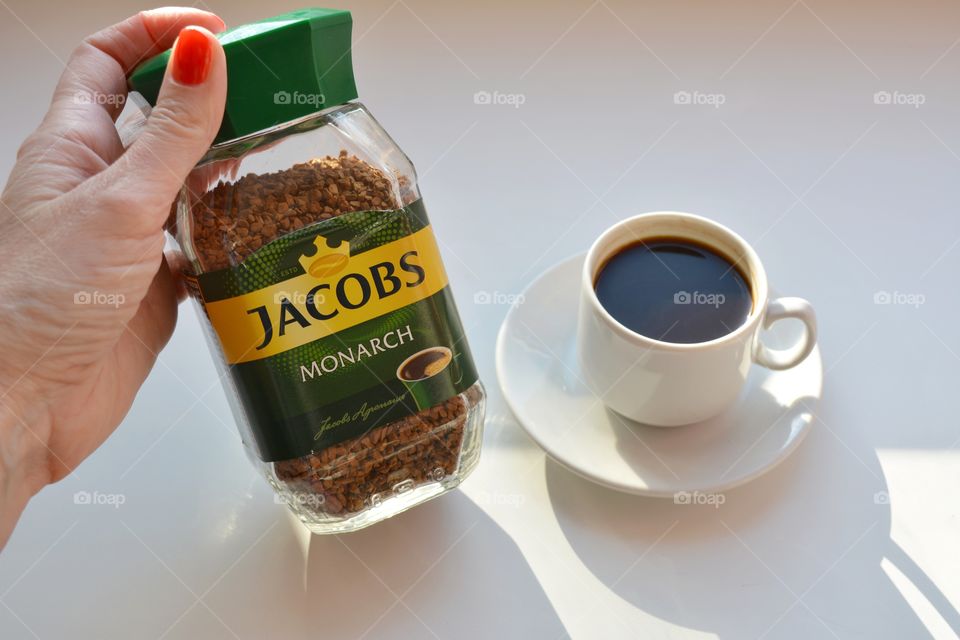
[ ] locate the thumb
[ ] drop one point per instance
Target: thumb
(180, 129)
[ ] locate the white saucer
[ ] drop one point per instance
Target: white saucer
(541, 383)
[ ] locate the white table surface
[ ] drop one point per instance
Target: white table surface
(855, 536)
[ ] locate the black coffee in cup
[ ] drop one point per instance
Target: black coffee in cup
(674, 290)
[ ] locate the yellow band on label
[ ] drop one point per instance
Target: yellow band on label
(337, 292)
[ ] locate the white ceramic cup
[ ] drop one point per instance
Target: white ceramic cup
(670, 384)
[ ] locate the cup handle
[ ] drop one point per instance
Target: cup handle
(782, 309)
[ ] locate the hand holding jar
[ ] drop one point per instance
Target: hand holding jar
(302, 235)
(87, 299)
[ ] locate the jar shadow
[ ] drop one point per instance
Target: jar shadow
(788, 555)
(444, 569)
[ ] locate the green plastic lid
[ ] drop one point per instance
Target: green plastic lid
(278, 69)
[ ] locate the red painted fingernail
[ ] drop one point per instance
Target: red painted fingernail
(191, 57)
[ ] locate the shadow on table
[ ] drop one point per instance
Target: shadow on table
(444, 569)
(795, 554)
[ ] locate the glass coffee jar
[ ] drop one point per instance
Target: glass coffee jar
(326, 302)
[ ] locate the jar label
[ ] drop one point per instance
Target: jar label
(337, 328)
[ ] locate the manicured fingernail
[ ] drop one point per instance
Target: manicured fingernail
(191, 57)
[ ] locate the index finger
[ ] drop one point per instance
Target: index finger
(95, 77)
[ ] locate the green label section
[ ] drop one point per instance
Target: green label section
(341, 386)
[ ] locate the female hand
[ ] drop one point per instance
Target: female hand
(87, 299)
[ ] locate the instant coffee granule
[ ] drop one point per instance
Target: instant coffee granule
(420, 448)
(234, 220)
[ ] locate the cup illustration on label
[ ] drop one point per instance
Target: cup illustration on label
(427, 377)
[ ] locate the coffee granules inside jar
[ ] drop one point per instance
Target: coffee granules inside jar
(348, 477)
(234, 220)
(231, 222)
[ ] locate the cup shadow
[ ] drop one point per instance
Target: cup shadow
(796, 554)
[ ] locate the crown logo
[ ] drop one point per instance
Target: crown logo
(330, 258)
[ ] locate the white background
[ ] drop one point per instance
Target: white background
(855, 536)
